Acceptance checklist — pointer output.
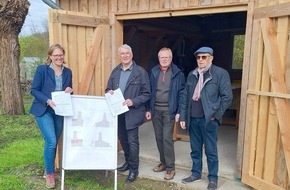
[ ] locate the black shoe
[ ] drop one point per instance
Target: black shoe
(191, 178)
(132, 177)
(123, 168)
(212, 185)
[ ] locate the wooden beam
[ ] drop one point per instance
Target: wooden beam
(143, 61)
(278, 83)
(155, 46)
(117, 41)
(272, 142)
(165, 25)
(87, 74)
(269, 94)
(130, 34)
(259, 183)
(80, 20)
(234, 7)
(177, 135)
(262, 122)
(177, 42)
(279, 10)
(287, 65)
(245, 78)
(53, 27)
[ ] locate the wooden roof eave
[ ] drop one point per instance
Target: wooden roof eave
(199, 10)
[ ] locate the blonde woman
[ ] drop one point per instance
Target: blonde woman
(50, 77)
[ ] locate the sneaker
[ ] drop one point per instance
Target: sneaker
(161, 167)
(169, 175)
(191, 179)
(56, 176)
(212, 185)
(50, 182)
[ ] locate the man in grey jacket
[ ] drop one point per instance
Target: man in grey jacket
(134, 83)
(207, 95)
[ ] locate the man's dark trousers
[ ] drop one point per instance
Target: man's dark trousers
(129, 140)
(163, 127)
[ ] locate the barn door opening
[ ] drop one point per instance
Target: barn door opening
(224, 32)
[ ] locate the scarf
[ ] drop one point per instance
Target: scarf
(199, 85)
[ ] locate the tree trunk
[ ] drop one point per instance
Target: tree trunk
(12, 17)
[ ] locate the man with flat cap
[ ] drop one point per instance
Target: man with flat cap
(207, 95)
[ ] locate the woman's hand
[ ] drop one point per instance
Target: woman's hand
(51, 103)
(68, 90)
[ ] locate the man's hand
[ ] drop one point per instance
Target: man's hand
(128, 102)
(182, 124)
(177, 117)
(148, 115)
(111, 92)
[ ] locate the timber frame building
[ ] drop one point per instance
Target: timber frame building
(92, 30)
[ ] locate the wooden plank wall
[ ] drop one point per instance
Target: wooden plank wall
(264, 164)
(98, 8)
(77, 41)
(128, 6)
(85, 39)
(77, 49)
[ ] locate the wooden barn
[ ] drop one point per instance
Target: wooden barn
(92, 30)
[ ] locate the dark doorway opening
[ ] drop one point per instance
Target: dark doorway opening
(184, 35)
(224, 32)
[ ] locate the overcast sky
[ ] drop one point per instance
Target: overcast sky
(36, 18)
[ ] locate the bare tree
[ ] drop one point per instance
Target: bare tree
(12, 17)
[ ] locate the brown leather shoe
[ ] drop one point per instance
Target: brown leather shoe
(161, 167)
(169, 175)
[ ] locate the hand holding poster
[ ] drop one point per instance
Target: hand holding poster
(63, 104)
(115, 102)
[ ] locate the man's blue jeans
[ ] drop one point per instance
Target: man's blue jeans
(51, 127)
(208, 136)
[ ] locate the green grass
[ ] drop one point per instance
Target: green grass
(21, 161)
(21, 156)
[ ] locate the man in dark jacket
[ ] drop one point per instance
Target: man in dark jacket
(134, 83)
(207, 95)
(167, 83)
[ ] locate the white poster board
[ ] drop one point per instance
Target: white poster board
(90, 136)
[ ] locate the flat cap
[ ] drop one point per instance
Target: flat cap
(204, 50)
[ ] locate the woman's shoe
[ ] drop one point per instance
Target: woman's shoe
(50, 181)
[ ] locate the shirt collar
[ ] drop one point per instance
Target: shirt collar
(51, 66)
(164, 70)
(130, 68)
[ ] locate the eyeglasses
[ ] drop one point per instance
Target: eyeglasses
(203, 57)
(164, 57)
(60, 55)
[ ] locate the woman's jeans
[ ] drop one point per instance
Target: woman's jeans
(51, 127)
(206, 137)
